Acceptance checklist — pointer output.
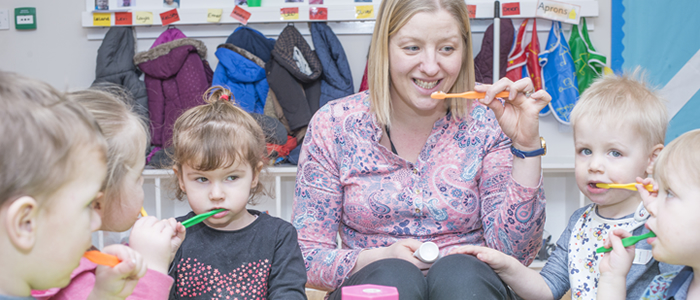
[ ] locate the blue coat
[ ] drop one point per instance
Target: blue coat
(245, 78)
(336, 79)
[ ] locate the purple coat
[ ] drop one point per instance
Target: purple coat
(177, 75)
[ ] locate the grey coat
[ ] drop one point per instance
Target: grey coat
(115, 64)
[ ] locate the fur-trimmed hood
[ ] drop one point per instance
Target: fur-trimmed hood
(166, 59)
(244, 53)
(164, 49)
(283, 53)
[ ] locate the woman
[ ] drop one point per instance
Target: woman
(392, 168)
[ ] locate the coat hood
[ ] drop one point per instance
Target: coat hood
(237, 64)
(252, 41)
(166, 60)
(116, 53)
(283, 53)
(168, 36)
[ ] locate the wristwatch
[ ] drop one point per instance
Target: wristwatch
(523, 154)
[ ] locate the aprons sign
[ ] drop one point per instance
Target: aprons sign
(558, 11)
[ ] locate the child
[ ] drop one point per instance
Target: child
(52, 164)
(238, 253)
(619, 127)
(120, 204)
(673, 218)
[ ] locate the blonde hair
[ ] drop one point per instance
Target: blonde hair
(392, 16)
(44, 138)
(125, 131)
(680, 157)
(218, 135)
(625, 99)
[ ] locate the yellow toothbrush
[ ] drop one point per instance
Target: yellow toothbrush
(628, 186)
(143, 212)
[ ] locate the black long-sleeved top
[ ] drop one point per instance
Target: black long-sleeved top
(260, 261)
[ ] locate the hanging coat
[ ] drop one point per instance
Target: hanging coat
(177, 75)
(115, 64)
(558, 72)
(533, 65)
(517, 57)
(237, 72)
(293, 73)
(589, 63)
(483, 62)
(336, 79)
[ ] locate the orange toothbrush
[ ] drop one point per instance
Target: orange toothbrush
(467, 95)
(101, 258)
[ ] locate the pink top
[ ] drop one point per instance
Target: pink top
(459, 192)
(153, 285)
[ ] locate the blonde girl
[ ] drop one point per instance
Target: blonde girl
(120, 203)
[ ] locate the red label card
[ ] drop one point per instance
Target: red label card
(240, 14)
(471, 9)
(169, 17)
(318, 13)
(122, 18)
(510, 9)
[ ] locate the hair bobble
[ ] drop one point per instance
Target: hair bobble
(224, 97)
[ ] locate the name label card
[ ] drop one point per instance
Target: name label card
(101, 19)
(144, 17)
(289, 13)
(510, 9)
(122, 18)
(240, 14)
(364, 12)
(318, 13)
(214, 15)
(170, 16)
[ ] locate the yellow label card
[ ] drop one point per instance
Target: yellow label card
(143, 17)
(102, 19)
(364, 12)
(214, 15)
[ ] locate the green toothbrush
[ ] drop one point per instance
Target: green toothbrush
(199, 218)
(628, 241)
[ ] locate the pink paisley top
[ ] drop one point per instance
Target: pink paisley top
(460, 191)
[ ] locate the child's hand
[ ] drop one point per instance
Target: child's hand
(647, 196)
(153, 240)
(618, 261)
(497, 260)
(118, 282)
(178, 237)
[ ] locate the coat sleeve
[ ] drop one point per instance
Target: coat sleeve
(512, 215)
(318, 207)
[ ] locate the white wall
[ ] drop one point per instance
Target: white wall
(59, 52)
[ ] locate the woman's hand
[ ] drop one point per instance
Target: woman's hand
(497, 260)
(118, 282)
(402, 249)
(518, 115)
(156, 241)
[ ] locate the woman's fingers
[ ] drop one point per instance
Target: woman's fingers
(522, 86)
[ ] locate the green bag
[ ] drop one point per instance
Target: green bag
(589, 63)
